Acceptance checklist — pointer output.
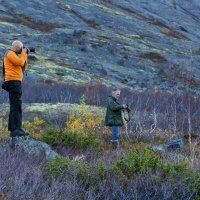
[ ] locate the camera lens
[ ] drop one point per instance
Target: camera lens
(32, 50)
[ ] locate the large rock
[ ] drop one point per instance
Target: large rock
(30, 146)
(177, 144)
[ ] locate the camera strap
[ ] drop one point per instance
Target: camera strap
(3, 70)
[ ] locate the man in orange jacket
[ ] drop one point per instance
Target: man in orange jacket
(14, 66)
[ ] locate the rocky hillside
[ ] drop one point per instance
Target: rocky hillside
(140, 44)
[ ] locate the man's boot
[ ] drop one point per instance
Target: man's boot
(18, 133)
(115, 144)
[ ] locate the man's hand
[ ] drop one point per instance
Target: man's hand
(125, 106)
(25, 50)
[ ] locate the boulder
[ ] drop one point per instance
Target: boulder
(29, 145)
(177, 144)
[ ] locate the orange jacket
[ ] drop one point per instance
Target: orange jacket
(15, 65)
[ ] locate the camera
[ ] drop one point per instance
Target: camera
(32, 49)
(29, 49)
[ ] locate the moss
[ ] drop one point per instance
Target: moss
(3, 46)
(47, 69)
(43, 107)
(115, 11)
(63, 6)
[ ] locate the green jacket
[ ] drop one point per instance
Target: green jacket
(113, 113)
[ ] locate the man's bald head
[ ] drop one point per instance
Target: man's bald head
(17, 46)
(17, 43)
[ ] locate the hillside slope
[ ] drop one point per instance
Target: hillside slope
(142, 45)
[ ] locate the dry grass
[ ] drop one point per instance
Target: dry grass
(31, 23)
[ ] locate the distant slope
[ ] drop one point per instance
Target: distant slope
(142, 45)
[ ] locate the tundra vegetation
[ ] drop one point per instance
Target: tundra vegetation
(84, 48)
(86, 167)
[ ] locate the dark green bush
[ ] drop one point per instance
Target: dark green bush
(90, 174)
(102, 171)
(63, 166)
(196, 187)
(57, 167)
(65, 138)
(138, 161)
(176, 170)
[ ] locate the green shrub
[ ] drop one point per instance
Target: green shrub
(196, 187)
(3, 129)
(60, 167)
(119, 174)
(102, 171)
(176, 170)
(57, 167)
(35, 127)
(138, 161)
(65, 138)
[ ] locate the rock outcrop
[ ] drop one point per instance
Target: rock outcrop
(31, 146)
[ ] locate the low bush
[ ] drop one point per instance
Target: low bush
(31, 177)
(102, 170)
(138, 161)
(62, 167)
(83, 121)
(67, 138)
(176, 170)
(196, 187)
(3, 129)
(36, 127)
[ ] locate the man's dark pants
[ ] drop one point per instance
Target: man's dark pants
(14, 89)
